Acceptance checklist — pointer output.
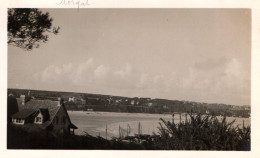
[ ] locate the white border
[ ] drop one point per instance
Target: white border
(255, 84)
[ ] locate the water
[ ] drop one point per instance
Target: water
(94, 123)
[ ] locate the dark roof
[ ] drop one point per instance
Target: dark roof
(45, 112)
(73, 126)
(24, 113)
(52, 106)
(46, 107)
(43, 106)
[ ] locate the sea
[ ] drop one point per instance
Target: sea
(111, 124)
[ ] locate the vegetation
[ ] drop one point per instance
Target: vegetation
(203, 133)
(99, 102)
(12, 107)
(19, 138)
(197, 133)
(27, 27)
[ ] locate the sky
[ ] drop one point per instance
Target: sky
(198, 55)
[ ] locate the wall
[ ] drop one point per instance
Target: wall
(20, 123)
(59, 126)
(41, 116)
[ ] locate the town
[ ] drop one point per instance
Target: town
(95, 102)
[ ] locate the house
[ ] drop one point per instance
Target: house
(109, 101)
(83, 101)
(165, 107)
(72, 99)
(118, 100)
(44, 114)
(150, 104)
(134, 101)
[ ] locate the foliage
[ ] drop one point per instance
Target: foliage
(203, 133)
(100, 104)
(198, 133)
(12, 107)
(19, 138)
(27, 27)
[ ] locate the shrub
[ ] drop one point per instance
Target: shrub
(203, 133)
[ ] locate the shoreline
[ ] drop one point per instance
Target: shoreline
(95, 122)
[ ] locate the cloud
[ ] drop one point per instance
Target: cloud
(225, 81)
(124, 72)
(211, 63)
(80, 70)
(87, 75)
(101, 71)
(53, 73)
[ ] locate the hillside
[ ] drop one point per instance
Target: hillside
(98, 102)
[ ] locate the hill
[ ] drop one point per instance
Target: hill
(100, 102)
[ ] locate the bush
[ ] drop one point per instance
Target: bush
(20, 138)
(203, 133)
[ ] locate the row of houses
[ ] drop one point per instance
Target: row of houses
(110, 100)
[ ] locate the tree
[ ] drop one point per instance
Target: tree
(28, 27)
(12, 107)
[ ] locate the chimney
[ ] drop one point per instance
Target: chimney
(11, 94)
(29, 94)
(23, 99)
(59, 101)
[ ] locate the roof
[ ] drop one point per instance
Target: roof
(24, 113)
(46, 107)
(52, 106)
(45, 112)
(73, 126)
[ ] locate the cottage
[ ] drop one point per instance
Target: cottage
(44, 114)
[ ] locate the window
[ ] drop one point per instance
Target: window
(38, 119)
(19, 120)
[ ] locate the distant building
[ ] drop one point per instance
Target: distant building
(118, 100)
(109, 101)
(72, 99)
(134, 101)
(44, 114)
(247, 108)
(165, 106)
(145, 99)
(150, 104)
(83, 101)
